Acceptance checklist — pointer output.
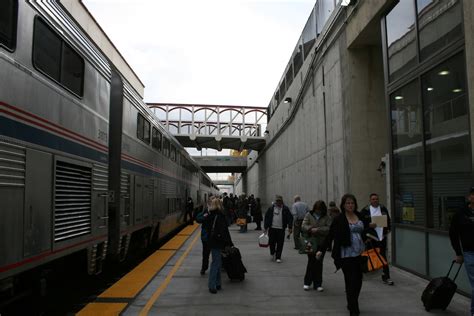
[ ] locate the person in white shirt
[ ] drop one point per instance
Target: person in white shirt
(378, 234)
(277, 218)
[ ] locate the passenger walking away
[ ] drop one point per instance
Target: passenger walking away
(347, 231)
(258, 217)
(277, 218)
(189, 211)
(243, 211)
(315, 228)
(206, 251)
(376, 209)
(298, 210)
(333, 209)
(219, 237)
(461, 233)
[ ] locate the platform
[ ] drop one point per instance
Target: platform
(169, 283)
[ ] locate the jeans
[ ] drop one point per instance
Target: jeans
(314, 271)
(206, 251)
(276, 239)
(469, 264)
(215, 272)
(353, 281)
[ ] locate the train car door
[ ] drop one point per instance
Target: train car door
(138, 200)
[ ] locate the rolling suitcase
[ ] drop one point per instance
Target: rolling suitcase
(440, 291)
(232, 263)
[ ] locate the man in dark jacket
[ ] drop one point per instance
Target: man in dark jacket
(277, 218)
(378, 234)
(461, 234)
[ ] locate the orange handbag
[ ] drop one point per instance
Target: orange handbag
(241, 221)
(374, 260)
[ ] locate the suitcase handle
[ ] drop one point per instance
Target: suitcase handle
(459, 269)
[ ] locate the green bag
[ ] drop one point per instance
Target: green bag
(309, 244)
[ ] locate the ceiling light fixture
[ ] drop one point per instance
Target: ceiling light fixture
(443, 73)
(398, 97)
(457, 90)
(430, 88)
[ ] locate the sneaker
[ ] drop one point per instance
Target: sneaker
(306, 287)
(319, 289)
(218, 287)
(202, 272)
(278, 260)
(388, 281)
(213, 291)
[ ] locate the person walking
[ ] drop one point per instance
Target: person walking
(243, 211)
(277, 218)
(333, 209)
(376, 209)
(219, 237)
(461, 234)
(206, 250)
(258, 217)
(347, 232)
(298, 210)
(189, 211)
(315, 228)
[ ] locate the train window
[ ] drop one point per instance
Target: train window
(173, 153)
(166, 147)
(143, 129)
(56, 59)
(156, 139)
(72, 69)
(46, 50)
(8, 19)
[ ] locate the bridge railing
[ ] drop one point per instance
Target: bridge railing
(211, 120)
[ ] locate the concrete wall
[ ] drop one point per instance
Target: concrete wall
(331, 139)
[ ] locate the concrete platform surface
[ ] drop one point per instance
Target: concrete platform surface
(272, 288)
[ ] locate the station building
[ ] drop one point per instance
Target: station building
(378, 96)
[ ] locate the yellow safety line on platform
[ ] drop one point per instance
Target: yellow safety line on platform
(175, 243)
(94, 309)
(165, 283)
(189, 230)
(134, 281)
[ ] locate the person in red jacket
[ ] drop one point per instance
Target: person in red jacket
(461, 234)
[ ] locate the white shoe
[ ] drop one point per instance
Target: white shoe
(278, 260)
(320, 289)
(306, 287)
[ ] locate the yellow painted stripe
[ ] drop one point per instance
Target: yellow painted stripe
(165, 283)
(175, 243)
(94, 309)
(189, 230)
(132, 283)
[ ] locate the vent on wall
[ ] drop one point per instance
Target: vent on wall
(72, 202)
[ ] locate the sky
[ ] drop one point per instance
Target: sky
(230, 52)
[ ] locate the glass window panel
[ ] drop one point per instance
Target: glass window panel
(146, 132)
(173, 153)
(401, 38)
(309, 34)
(8, 18)
(282, 88)
(324, 9)
(156, 139)
(166, 147)
(408, 179)
(297, 59)
(72, 70)
(289, 75)
(46, 50)
(439, 24)
(140, 126)
(448, 144)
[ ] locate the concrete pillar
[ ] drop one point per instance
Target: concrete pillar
(468, 7)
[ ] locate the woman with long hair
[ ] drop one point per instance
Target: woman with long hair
(218, 238)
(315, 229)
(347, 231)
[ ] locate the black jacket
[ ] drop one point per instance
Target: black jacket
(366, 218)
(219, 237)
(340, 233)
(287, 217)
(461, 231)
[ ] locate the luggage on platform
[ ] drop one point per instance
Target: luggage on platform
(232, 263)
(440, 291)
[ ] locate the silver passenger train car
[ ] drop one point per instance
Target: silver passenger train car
(84, 165)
